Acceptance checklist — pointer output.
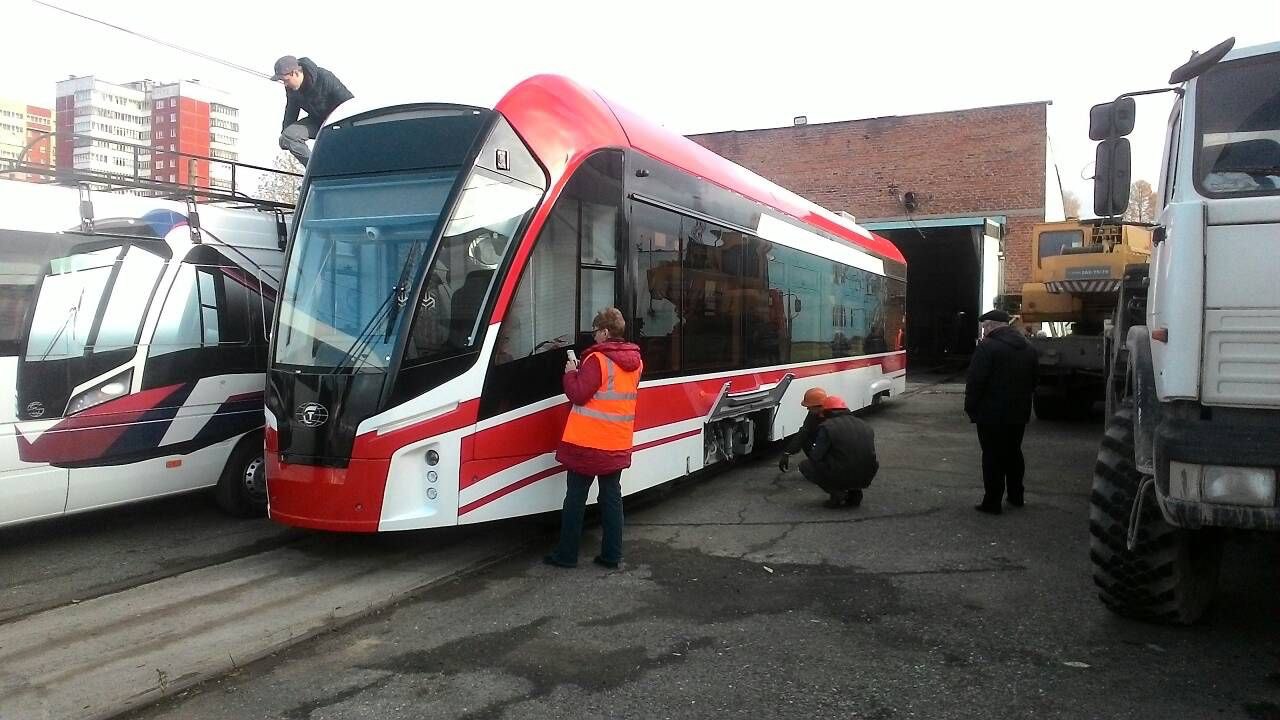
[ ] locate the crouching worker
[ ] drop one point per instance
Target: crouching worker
(597, 437)
(843, 459)
(803, 440)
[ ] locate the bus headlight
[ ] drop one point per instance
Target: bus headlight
(433, 457)
(431, 493)
(432, 476)
(108, 390)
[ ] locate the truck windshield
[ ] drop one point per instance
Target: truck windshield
(1239, 127)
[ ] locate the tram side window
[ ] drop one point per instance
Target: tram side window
(656, 325)
(713, 312)
(592, 207)
(766, 328)
(579, 239)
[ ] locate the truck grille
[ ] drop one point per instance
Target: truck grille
(1242, 358)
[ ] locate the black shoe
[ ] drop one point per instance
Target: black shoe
(835, 501)
(982, 508)
(553, 560)
(853, 498)
(1016, 501)
(605, 563)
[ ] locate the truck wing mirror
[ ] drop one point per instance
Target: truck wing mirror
(1112, 119)
(1111, 177)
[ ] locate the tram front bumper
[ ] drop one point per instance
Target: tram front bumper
(326, 498)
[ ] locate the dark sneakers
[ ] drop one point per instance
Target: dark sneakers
(605, 563)
(984, 508)
(1016, 501)
(557, 562)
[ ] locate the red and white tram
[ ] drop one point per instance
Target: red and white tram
(444, 259)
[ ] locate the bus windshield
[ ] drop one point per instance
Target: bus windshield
(1239, 127)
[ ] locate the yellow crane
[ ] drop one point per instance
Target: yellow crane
(1077, 270)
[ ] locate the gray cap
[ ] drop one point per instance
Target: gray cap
(284, 66)
(996, 315)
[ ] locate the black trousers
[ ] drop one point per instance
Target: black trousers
(836, 487)
(1002, 463)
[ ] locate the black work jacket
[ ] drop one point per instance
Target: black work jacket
(1002, 378)
(845, 449)
(321, 92)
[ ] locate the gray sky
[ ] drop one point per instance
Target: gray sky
(693, 66)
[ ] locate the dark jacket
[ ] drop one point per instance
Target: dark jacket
(844, 450)
(320, 93)
(580, 385)
(1002, 378)
(803, 440)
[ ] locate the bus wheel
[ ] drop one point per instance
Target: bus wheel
(1171, 573)
(242, 489)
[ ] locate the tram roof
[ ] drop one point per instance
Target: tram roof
(562, 121)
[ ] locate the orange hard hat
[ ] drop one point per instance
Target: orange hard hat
(834, 402)
(813, 397)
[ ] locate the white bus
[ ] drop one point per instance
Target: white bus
(132, 349)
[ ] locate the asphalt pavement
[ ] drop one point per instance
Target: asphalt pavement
(741, 596)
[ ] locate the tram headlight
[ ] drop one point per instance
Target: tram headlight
(432, 476)
(108, 390)
(433, 457)
(431, 493)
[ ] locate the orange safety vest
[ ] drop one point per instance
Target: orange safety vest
(608, 419)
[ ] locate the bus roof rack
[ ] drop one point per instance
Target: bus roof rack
(228, 194)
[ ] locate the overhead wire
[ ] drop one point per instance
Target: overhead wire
(158, 41)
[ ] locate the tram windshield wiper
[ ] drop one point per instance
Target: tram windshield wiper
(390, 309)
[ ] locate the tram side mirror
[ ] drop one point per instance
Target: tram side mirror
(797, 305)
(1112, 119)
(1112, 170)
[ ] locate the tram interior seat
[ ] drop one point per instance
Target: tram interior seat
(467, 303)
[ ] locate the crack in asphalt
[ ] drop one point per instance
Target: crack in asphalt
(765, 523)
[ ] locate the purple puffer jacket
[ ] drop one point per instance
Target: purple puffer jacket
(580, 385)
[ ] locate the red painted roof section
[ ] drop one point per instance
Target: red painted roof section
(563, 122)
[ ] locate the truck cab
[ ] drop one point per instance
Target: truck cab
(1193, 444)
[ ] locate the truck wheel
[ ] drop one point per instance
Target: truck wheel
(242, 489)
(1171, 574)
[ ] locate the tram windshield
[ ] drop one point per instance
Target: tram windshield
(361, 246)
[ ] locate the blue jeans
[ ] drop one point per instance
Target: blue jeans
(575, 502)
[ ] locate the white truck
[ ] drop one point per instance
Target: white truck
(1192, 446)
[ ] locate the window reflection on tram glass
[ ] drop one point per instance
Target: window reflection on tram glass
(358, 241)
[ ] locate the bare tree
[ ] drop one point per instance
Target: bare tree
(1071, 204)
(1143, 204)
(280, 186)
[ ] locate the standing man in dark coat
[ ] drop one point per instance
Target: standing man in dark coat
(308, 87)
(842, 460)
(997, 398)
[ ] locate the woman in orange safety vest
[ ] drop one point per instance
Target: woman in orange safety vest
(597, 437)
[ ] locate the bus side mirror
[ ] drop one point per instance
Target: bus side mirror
(1112, 169)
(1112, 119)
(797, 305)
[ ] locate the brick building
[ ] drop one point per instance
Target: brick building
(958, 192)
(148, 130)
(25, 135)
